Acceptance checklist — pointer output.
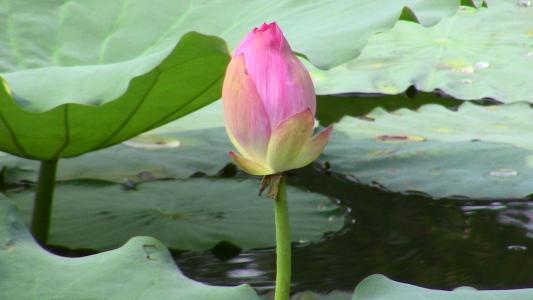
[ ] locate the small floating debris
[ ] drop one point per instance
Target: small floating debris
(495, 206)
(516, 248)
(400, 138)
(504, 173)
(245, 273)
(481, 65)
(153, 142)
(466, 70)
(524, 3)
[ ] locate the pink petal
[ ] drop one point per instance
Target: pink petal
(288, 140)
(313, 148)
(249, 166)
(283, 83)
(246, 119)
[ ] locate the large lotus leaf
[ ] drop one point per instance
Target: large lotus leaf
(379, 287)
(193, 214)
(61, 33)
(480, 152)
(167, 155)
(192, 144)
(141, 269)
(187, 79)
(326, 32)
(208, 117)
(471, 55)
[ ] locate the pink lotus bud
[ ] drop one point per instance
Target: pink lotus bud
(269, 106)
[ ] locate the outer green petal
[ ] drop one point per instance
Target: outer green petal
(249, 166)
(313, 148)
(288, 140)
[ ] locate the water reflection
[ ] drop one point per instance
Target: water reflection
(519, 214)
(410, 238)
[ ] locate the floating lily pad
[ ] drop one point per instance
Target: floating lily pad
(193, 214)
(141, 269)
(166, 155)
(189, 78)
(474, 54)
(379, 287)
(479, 152)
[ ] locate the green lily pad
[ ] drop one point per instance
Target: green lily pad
(193, 214)
(474, 54)
(479, 152)
(141, 269)
(379, 287)
(187, 79)
(165, 155)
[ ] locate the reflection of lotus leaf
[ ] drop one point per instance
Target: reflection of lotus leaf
(520, 215)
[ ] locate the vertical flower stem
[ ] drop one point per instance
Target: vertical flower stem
(42, 206)
(283, 244)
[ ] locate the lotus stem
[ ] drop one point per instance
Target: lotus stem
(42, 207)
(283, 243)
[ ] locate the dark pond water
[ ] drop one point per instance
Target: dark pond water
(442, 243)
(409, 238)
